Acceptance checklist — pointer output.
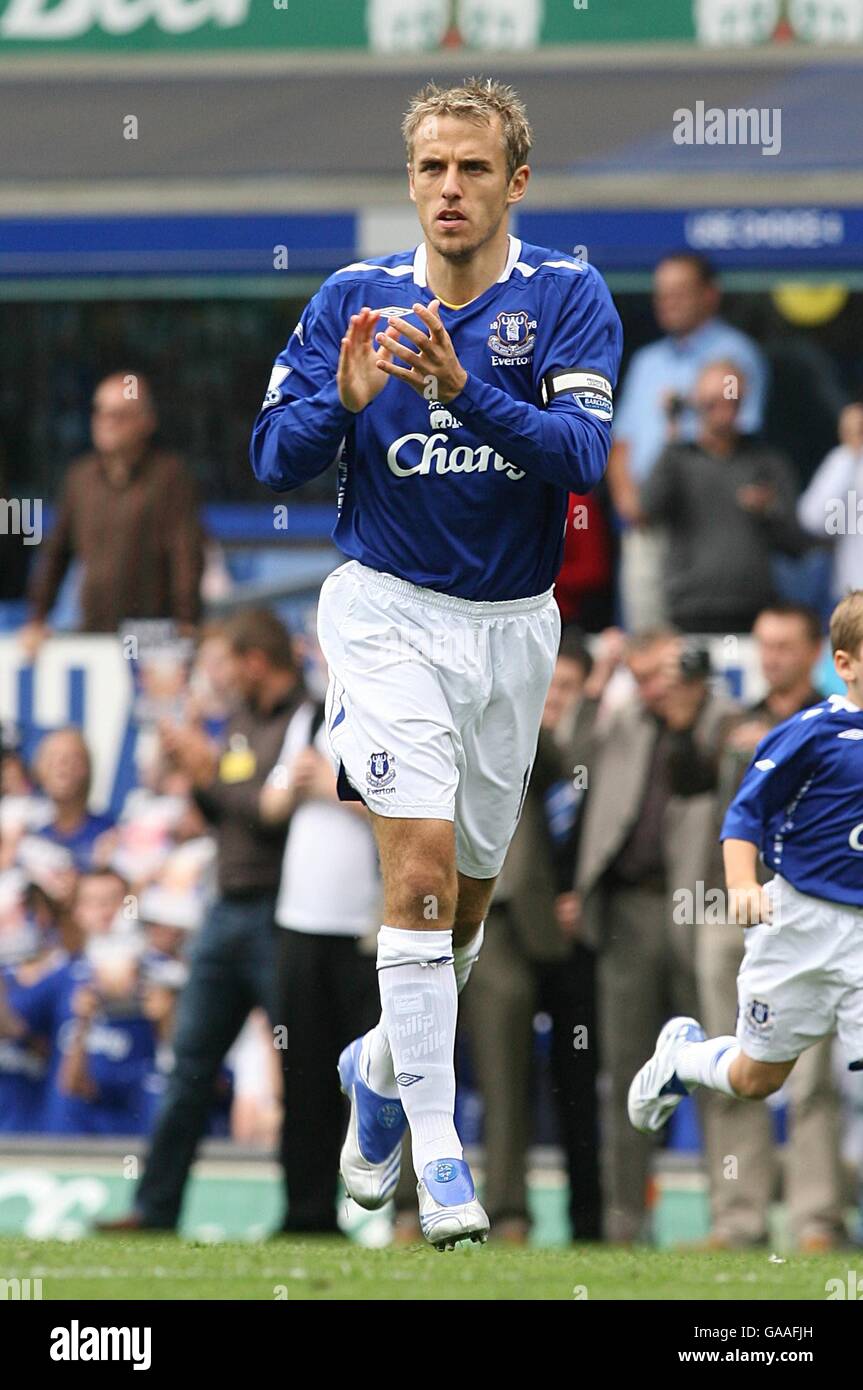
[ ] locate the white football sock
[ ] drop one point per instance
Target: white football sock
(706, 1063)
(376, 1062)
(376, 1059)
(420, 1007)
(465, 956)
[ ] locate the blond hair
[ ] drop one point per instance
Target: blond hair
(478, 99)
(846, 623)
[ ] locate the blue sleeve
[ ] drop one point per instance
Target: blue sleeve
(36, 1005)
(781, 765)
(302, 422)
(566, 440)
(116, 1082)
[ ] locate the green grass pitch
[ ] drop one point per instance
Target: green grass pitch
(112, 1268)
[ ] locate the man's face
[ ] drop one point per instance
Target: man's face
(785, 649)
(851, 426)
(120, 425)
(215, 667)
(653, 670)
(97, 901)
(681, 300)
(459, 182)
(715, 403)
(63, 767)
(168, 940)
(566, 686)
(248, 672)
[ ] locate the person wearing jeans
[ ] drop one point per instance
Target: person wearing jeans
(233, 965)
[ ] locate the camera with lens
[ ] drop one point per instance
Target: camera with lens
(694, 663)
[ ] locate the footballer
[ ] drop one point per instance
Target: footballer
(800, 806)
(465, 387)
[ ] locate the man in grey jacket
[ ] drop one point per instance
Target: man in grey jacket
(729, 504)
(646, 836)
(532, 960)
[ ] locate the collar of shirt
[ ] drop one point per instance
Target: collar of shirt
(134, 469)
(688, 344)
(813, 697)
(286, 703)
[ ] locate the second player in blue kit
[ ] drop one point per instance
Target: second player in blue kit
(800, 807)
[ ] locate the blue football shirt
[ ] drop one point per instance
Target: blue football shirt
(121, 1054)
(80, 841)
(469, 497)
(801, 801)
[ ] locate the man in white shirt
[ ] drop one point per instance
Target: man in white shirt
(327, 987)
(832, 504)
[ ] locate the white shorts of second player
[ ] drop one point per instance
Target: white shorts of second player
(801, 978)
(434, 702)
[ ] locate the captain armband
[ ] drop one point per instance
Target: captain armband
(590, 390)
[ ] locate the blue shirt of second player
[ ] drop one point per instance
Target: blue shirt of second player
(801, 801)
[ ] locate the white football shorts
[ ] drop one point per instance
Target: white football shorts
(434, 703)
(801, 978)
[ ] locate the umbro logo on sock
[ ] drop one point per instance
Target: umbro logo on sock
(406, 1078)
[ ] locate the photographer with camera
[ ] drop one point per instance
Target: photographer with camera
(728, 502)
(647, 832)
(654, 410)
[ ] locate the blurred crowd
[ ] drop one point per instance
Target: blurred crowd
(195, 964)
(97, 914)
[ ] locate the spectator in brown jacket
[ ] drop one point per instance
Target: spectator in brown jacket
(129, 514)
(232, 969)
(532, 960)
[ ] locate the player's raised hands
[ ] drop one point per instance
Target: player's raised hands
(357, 376)
(434, 370)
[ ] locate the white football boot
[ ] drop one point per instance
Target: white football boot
(371, 1154)
(656, 1090)
(449, 1210)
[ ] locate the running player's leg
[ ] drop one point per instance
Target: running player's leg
(473, 898)
(685, 1058)
(721, 1065)
(391, 727)
(419, 994)
(787, 1001)
(404, 1066)
(424, 895)
(472, 904)
(417, 977)
(427, 742)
